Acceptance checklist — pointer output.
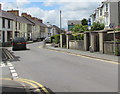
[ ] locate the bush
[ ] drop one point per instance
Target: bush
(52, 39)
(97, 26)
(78, 37)
(117, 53)
(57, 38)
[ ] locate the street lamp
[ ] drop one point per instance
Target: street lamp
(60, 21)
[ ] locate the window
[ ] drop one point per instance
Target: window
(9, 35)
(8, 23)
(3, 23)
(100, 11)
(106, 7)
(19, 26)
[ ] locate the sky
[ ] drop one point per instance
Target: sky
(49, 10)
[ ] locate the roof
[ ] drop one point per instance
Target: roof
(36, 22)
(21, 19)
(70, 22)
(14, 17)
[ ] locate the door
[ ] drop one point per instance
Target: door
(3, 36)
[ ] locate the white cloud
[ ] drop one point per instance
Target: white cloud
(70, 10)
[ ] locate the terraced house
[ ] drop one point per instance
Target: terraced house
(107, 13)
(13, 25)
(38, 29)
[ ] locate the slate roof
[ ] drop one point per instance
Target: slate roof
(36, 22)
(13, 17)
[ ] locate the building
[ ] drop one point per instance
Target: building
(38, 28)
(72, 23)
(108, 12)
(12, 25)
(53, 30)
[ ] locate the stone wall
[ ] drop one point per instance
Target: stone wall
(109, 47)
(76, 44)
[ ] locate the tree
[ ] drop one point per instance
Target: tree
(97, 26)
(80, 28)
(84, 22)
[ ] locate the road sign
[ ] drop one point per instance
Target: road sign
(89, 22)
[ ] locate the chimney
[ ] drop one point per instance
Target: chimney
(0, 7)
(29, 16)
(34, 18)
(15, 12)
(40, 20)
(24, 14)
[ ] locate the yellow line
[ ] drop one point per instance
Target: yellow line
(112, 62)
(41, 86)
(33, 85)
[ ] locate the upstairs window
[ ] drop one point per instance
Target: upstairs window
(100, 11)
(3, 22)
(106, 7)
(8, 23)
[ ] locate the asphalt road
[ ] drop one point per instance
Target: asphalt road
(62, 72)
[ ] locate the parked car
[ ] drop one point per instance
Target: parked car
(47, 39)
(19, 43)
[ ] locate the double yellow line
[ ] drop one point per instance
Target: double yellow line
(34, 84)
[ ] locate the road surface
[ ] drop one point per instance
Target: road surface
(63, 72)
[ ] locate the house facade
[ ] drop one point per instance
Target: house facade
(53, 30)
(107, 13)
(6, 28)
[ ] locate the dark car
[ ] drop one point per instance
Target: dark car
(19, 44)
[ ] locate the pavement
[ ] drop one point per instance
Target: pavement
(96, 55)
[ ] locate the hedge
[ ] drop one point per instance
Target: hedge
(55, 39)
(78, 37)
(52, 39)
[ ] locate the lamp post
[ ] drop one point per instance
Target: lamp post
(60, 21)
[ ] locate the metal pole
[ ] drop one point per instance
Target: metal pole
(60, 21)
(114, 43)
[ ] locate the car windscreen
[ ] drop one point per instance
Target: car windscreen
(19, 40)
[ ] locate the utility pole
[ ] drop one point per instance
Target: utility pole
(114, 43)
(60, 22)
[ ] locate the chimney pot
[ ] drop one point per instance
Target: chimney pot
(15, 12)
(0, 7)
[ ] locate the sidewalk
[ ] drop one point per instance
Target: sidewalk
(96, 55)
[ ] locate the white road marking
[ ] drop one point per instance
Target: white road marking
(2, 64)
(10, 65)
(11, 68)
(12, 71)
(14, 74)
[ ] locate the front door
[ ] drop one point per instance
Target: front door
(3, 36)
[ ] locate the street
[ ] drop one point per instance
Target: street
(61, 72)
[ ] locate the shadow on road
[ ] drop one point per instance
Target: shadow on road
(14, 90)
(9, 56)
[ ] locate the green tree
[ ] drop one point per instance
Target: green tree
(97, 26)
(80, 28)
(84, 22)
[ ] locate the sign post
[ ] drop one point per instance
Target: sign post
(112, 25)
(89, 28)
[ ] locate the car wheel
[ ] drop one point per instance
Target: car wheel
(13, 49)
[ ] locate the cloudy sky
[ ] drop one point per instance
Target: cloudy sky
(49, 10)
